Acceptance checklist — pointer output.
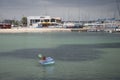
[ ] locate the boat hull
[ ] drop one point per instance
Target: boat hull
(48, 61)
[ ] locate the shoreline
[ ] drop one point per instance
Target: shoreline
(34, 30)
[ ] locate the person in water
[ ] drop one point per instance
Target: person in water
(43, 58)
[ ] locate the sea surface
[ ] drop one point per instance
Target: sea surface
(78, 56)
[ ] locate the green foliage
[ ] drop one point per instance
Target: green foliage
(24, 21)
(15, 23)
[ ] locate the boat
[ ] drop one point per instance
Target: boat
(46, 61)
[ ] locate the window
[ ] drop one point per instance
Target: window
(37, 20)
(46, 20)
(52, 20)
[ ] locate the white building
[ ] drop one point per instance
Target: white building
(42, 21)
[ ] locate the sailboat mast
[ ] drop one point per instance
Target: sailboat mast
(79, 15)
(118, 7)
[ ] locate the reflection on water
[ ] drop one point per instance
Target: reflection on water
(49, 69)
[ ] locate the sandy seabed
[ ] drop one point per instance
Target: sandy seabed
(32, 30)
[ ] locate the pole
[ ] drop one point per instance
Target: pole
(118, 7)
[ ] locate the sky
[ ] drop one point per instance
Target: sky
(66, 9)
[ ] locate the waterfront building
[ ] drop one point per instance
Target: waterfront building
(5, 25)
(42, 21)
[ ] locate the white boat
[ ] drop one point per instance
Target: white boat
(68, 25)
(46, 61)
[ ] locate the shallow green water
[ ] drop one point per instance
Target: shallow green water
(78, 56)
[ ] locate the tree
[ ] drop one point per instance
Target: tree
(15, 23)
(24, 21)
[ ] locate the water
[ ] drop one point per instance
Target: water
(78, 56)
